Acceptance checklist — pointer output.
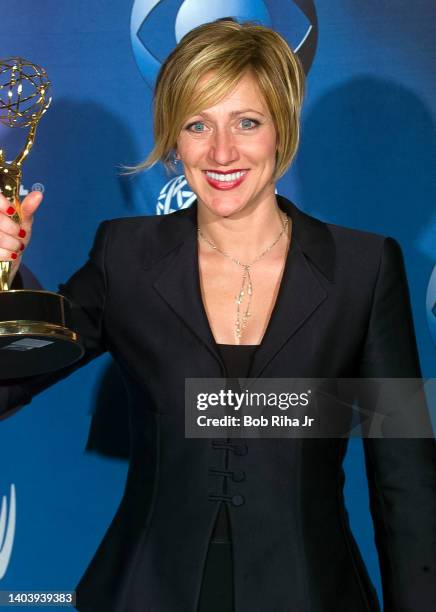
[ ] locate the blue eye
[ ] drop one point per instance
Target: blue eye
(249, 124)
(197, 126)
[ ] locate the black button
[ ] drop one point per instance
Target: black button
(238, 500)
(241, 449)
(238, 476)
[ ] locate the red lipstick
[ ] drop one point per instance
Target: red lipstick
(228, 184)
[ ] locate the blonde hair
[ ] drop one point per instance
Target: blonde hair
(227, 49)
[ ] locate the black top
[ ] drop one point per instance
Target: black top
(237, 360)
(217, 592)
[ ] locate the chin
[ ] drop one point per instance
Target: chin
(223, 206)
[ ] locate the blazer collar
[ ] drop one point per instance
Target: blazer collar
(300, 291)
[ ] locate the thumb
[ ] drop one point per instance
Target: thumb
(29, 206)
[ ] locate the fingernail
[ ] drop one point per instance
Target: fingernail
(14, 255)
(10, 210)
(22, 247)
(22, 233)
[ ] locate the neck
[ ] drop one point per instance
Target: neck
(246, 233)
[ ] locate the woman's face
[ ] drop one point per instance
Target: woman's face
(229, 151)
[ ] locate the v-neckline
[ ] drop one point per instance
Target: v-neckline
(276, 301)
(301, 292)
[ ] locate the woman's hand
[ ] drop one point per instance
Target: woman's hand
(15, 237)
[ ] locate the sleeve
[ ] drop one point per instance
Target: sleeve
(86, 290)
(401, 472)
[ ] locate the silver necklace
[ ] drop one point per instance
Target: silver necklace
(247, 285)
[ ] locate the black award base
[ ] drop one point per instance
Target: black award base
(35, 334)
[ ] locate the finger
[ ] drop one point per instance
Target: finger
(6, 255)
(8, 226)
(5, 205)
(11, 244)
(29, 206)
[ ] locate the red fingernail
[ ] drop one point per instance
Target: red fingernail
(14, 255)
(22, 247)
(10, 210)
(22, 233)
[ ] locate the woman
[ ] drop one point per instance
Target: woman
(231, 524)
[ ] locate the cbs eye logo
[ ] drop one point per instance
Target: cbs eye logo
(156, 25)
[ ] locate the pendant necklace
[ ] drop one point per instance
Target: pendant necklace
(246, 290)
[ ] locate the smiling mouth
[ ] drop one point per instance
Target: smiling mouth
(225, 177)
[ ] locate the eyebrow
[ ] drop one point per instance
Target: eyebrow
(239, 112)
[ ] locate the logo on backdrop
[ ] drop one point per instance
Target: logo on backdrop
(176, 194)
(151, 16)
(7, 530)
(35, 187)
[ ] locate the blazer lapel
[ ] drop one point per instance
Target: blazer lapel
(299, 295)
(300, 292)
(179, 282)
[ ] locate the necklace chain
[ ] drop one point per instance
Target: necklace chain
(247, 285)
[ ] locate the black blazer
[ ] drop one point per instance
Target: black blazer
(342, 311)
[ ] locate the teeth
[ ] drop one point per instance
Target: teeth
(225, 178)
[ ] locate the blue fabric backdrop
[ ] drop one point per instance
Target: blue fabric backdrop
(366, 161)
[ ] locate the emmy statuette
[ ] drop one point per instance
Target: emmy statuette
(35, 337)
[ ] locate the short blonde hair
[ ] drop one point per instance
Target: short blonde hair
(227, 49)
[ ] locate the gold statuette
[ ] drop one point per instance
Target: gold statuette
(34, 325)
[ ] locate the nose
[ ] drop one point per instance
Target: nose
(223, 149)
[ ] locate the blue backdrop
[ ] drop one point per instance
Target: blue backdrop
(366, 161)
